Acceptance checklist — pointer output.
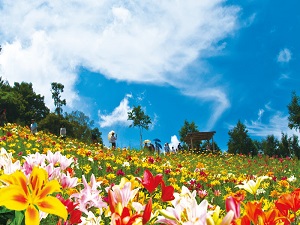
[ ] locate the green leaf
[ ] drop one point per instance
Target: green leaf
(19, 218)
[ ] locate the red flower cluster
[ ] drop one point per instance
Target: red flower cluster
(151, 183)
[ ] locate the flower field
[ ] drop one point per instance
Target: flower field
(48, 180)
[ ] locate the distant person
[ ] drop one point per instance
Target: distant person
(173, 149)
(146, 147)
(151, 147)
(167, 148)
(179, 147)
(113, 140)
(33, 127)
(63, 132)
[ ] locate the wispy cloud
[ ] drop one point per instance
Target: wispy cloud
(276, 124)
(118, 116)
(146, 41)
(284, 56)
(216, 96)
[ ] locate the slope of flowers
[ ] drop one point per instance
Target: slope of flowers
(124, 186)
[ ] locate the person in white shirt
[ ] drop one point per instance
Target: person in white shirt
(113, 139)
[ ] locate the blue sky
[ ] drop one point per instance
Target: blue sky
(211, 62)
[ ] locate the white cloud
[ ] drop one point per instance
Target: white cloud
(144, 41)
(284, 56)
(118, 116)
(216, 95)
(260, 114)
(174, 142)
(276, 124)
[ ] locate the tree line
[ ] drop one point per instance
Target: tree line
(240, 142)
(22, 104)
(287, 146)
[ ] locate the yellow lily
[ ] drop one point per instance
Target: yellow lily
(251, 186)
(215, 219)
(31, 195)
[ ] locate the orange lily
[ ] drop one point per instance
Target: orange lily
(31, 195)
(253, 211)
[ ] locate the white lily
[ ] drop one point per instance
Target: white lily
(251, 186)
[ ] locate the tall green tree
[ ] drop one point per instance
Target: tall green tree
(57, 89)
(294, 112)
(140, 120)
(294, 145)
(284, 149)
(270, 145)
(53, 122)
(34, 105)
(239, 140)
(81, 125)
(188, 127)
(22, 103)
(96, 136)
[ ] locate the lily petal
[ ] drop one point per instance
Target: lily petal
(32, 216)
(13, 197)
(51, 187)
(52, 205)
(38, 178)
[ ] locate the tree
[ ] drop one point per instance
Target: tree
(294, 145)
(207, 146)
(96, 136)
(57, 89)
(22, 103)
(34, 105)
(258, 147)
(140, 120)
(187, 128)
(52, 124)
(239, 140)
(81, 125)
(284, 146)
(270, 145)
(294, 112)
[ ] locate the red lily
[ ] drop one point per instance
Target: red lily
(167, 192)
(75, 214)
(147, 212)
(149, 182)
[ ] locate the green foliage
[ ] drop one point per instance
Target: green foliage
(81, 125)
(77, 124)
(140, 120)
(270, 145)
(187, 128)
(57, 89)
(294, 146)
(34, 106)
(284, 146)
(11, 217)
(294, 112)
(209, 147)
(239, 140)
(22, 103)
(52, 123)
(96, 136)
